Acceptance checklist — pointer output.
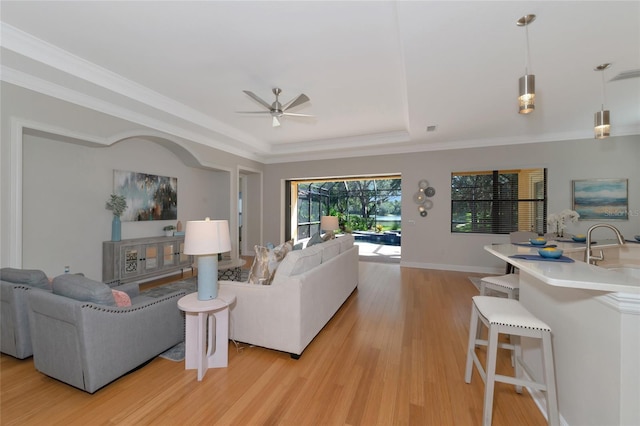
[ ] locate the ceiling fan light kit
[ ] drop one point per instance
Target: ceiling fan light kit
(602, 125)
(527, 83)
(276, 109)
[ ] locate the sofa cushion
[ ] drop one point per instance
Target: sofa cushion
(266, 262)
(346, 242)
(330, 249)
(83, 289)
(299, 261)
(32, 277)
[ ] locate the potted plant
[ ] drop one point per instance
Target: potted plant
(168, 230)
(117, 204)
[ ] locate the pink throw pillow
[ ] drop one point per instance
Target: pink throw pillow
(122, 298)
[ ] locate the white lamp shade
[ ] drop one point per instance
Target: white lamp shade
(207, 237)
(329, 223)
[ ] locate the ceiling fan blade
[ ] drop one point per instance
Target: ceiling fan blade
(253, 112)
(302, 98)
(292, 114)
(257, 99)
(276, 122)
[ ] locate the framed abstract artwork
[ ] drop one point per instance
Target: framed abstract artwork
(149, 197)
(601, 199)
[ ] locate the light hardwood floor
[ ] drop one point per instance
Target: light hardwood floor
(394, 354)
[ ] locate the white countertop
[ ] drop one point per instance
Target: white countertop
(572, 275)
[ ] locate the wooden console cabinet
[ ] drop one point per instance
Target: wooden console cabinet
(141, 259)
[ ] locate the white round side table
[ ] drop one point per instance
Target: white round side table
(207, 331)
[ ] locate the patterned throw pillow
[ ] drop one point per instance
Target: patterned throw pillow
(266, 262)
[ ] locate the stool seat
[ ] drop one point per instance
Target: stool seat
(508, 312)
(509, 284)
(510, 281)
(508, 316)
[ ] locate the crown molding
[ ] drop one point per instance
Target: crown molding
(27, 81)
(41, 51)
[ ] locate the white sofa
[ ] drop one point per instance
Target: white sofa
(308, 288)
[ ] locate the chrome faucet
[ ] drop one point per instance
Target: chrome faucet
(590, 257)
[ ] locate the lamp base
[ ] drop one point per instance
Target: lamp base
(207, 277)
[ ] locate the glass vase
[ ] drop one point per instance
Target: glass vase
(115, 228)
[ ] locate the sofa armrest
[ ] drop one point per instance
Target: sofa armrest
(266, 315)
(15, 336)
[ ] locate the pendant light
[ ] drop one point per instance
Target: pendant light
(602, 124)
(527, 83)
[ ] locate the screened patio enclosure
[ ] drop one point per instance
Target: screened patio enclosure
(364, 206)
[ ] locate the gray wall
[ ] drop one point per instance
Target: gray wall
(427, 242)
(65, 187)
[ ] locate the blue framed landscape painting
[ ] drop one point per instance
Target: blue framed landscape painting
(601, 199)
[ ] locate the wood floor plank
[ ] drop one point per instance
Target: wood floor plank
(394, 354)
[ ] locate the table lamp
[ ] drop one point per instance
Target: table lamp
(329, 224)
(205, 239)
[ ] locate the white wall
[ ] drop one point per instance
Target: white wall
(428, 242)
(65, 187)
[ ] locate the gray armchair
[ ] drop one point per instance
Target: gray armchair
(15, 337)
(80, 340)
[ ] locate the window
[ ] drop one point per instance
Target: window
(366, 203)
(499, 201)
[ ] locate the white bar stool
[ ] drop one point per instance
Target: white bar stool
(509, 284)
(508, 316)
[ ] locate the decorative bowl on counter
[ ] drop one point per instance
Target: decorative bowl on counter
(550, 252)
(540, 241)
(580, 238)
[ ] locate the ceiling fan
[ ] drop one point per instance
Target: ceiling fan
(276, 109)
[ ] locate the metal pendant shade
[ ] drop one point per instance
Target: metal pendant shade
(527, 83)
(602, 125)
(527, 97)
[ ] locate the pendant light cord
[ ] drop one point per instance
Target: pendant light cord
(527, 58)
(603, 98)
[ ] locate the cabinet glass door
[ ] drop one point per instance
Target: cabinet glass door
(151, 257)
(168, 254)
(130, 259)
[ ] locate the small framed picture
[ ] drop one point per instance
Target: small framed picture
(601, 199)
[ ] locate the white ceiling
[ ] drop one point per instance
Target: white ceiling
(378, 73)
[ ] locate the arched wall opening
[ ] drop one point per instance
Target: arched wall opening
(64, 183)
